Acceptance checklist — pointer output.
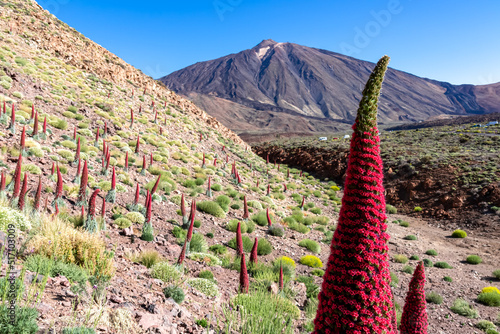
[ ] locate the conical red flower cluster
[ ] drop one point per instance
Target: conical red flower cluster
(82, 194)
(355, 296)
(17, 177)
(24, 190)
(239, 241)
(244, 282)
(253, 254)
(36, 202)
(414, 318)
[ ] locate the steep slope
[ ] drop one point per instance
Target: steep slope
(309, 89)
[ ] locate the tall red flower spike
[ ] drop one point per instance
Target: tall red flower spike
(35, 125)
(268, 190)
(23, 138)
(74, 133)
(148, 210)
(156, 185)
(131, 117)
(215, 162)
(24, 190)
(414, 318)
(57, 210)
(45, 125)
(151, 158)
(147, 199)
(288, 173)
(183, 206)
(281, 278)
(2, 182)
(267, 159)
(97, 138)
(303, 200)
(284, 187)
(191, 227)
(82, 194)
(103, 208)
(269, 223)
(245, 208)
(183, 253)
(137, 145)
(113, 179)
(77, 156)
(300, 174)
(105, 129)
(137, 192)
(59, 185)
(239, 241)
(12, 126)
(32, 111)
(17, 177)
(126, 161)
(92, 200)
(355, 295)
(253, 254)
(257, 185)
(36, 202)
(244, 283)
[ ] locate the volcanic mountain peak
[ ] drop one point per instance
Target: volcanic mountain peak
(287, 87)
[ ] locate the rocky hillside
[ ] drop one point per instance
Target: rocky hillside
(103, 253)
(285, 87)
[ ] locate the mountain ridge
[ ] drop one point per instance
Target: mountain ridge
(315, 90)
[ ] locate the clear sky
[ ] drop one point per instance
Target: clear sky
(457, 41)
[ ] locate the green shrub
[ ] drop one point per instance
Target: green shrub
(311, 245)
(318, 272)
(232, 226)
(417, 209)
(428, 263)
(407, 269)
(474, 259)
(489, 298)
(442, 265)
(208, 259)
(404, 224)
(122, 222)
(10, 216)
(36, 151)
(410, 237)
(212, 208)
(394, 280)
(485, 325)
(390, 209)
(463, 308)
(165, 272)
(41, 264)
(434, 297)
(400, 258)
(447, 279)
(135, 217)
(431, 252)
(216, 187)
(198, 243)
(311, 261)
(261, 218)
(316, 211)
(206, 274)
(207, 287)
(174, 292)
(264, 247)
(25, 320)
(218, 249)
(202, 322)
(247, 243)
(414, 258)
(459, 234)
(276, 230)
(496, 273)
(223, 202)
(149, 258)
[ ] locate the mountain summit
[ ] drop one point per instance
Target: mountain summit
(286, 87)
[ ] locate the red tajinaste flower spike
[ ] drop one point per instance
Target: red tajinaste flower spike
(113, 179)
(244, 283)
(147, 199)
(239, 241)
(268, 190)
(82, 194)
(284, 187)
(156, 185)
(137, 193)
(44, 125)
(23, 138)
(253, 254)
(191, 227)
(83, 213)
(164, 106)
(59, 185)
(35, 125)
(245, 208)
(238, 178)
(355, 296)
(288, 173)
(414, 318)
(203, 163)
(257, 184)
(183, 253)
(153, 104)
(269, 223)
(108, 157)
(105, 129)
(300, 174)
(74, 133)
(2, 182)
(227, 159)
(77, 155)
(151, 158)
(92, 200)
(12, 127)
(143, 171)
(97, 138)
(36, 202)
(4, 107)
(103, 209)
(156, 116)
(215, 162)
(24, 190)
(144, 92)
(278, 166)
(17, 176)
(161, 131)
(131, 117)
(140, 109)
(201, 137)
(57, 210)
(224, 148)
(137, 145)
(183, 206)
(148, 209)
(126, 161)
(104, 146)
(303, 200)
(281, 278)
(53, 170)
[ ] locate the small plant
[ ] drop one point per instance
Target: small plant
(78, 330)
(414, 258)
(202, 322)
(434, 297)
(206, 274)
(410, 237)
(431, 252)
(317, 272)
(400, 258)
(447, 279)
(218, 249)
(404, 224)
(474, 259)
(212, 208)
(428, 263)
(487, 326)
(459, 234)
(496, 274)
(207, 287)
(417, 209)
(394, 280)
(407, 269)
(165, 272)
(174, 292)
(149, 257)
(390, 209)
(489, 298)
(276, 230)
(311, 261)
(311, 245)
(463, 308)
(442, 265)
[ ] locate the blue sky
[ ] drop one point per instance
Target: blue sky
(454, 41)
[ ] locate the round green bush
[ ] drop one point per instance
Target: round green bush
(276, 230)
(165, 272)
(489, 298)
(431, 252)
(206, 274)
(390, 209)
(414, 258)
(447, 279)
(174, 292)
(122, 222)
(434, 297)
(264, 247)
(459, 234)
(311, 261)
(318, 272)
(311, 245)
(427, 263)
(442, 265)
(207, 287)
(474, 259)
(496, 273)
(212, 208)
(410, 237)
